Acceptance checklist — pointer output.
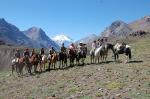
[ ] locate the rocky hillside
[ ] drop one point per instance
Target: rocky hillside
(141, 24)
(117, 29)
(12, 35)
(90, 38)
(33, 37)
(39, 36)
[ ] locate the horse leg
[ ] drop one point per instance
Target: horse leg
(35, 68)
(54, 65)
(91, 59)
(95, 59)
(41, 66)
(65, 63)
(12, 68)
(49, 64)
(59, 64)
(44, 66)
(30, 68)
(62, 63)
(21, 68)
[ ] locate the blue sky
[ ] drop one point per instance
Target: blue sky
(75, 18)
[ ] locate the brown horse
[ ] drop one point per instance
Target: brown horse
(52, 60)
(34, 61)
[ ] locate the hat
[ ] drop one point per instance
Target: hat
(80, 42)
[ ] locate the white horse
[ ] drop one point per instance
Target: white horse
(43, 62)
(101, 52)
(14, 65)
(17, 65)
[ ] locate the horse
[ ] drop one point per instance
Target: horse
(101, 52)
(18, 64)
(122, 49)
(28, 64)
(34, 60)
(52, 60)
(62, 59)
(104, 51)
(72, 56)
(43, 62)
(92, 51)
(81, 55)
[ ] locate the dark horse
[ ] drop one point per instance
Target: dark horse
(120, 49)
(62, 59)
(72, 56)
(81, 56)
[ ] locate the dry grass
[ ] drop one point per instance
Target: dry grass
(104, 80)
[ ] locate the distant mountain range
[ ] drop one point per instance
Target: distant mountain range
(141, 24)
(88, 39)
(33, 37)
(117, 29)
(60, 39)
(120, 29)
(37, 38)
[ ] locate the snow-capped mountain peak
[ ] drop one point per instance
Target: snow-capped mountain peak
(62, 39)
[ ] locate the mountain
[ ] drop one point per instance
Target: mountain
(39, 36)
(12, 35)
(88, 39)
(141, 24)
(63, 39)
(117, 29)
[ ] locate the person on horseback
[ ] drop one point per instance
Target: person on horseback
(72, 47)
(32, 52)
(84, 50)
(42, 51)
(80, 48)
(51, 51)
(94, 45)
(63, 49)
(26, 53)
(17, 55)
(50, 55)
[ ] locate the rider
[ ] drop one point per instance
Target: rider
(72, 47)
(80, 48)
(103, 41)
(26, 53)
(17, 54)
(50, 55)
(84, 50)
(63, 48)
(51, 51)
(33, 52)
(94, 45)
(42, 51)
